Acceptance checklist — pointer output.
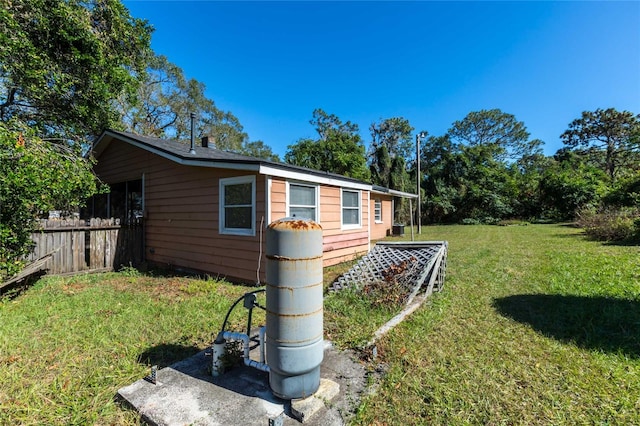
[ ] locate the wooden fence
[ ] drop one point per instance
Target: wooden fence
(87, 246)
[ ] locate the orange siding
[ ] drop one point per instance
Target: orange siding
(340, 241)
(381, 229)
(278, 198)
(181, 205)
(344, 255)
(339, 245)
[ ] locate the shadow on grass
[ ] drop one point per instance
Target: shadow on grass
(166, 354)
(595, 323)
(623, 243)
(633, 241)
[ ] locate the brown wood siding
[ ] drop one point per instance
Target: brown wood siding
(381, 230)
(125, 162)
(181, 213)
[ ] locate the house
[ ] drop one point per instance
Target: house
(205, 209)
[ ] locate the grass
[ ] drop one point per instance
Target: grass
(68, 344)
(536, 325)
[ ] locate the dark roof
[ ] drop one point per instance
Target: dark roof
(180, 151)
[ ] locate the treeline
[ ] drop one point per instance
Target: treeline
(486, 169)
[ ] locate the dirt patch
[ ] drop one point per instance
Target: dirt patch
(172, 288)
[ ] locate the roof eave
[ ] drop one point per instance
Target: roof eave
(386, 191)
(261, 166)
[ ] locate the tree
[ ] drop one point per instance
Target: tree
(164, 105)
(305, 153)
(62, 63)
(507, 136)
(610, 132)
(480, 169)
(327, 124)
(339, 148)
(625, 192)
(485, 183)
(36, 175)
(528, 173)
(395, 134)
(391, 145)
(440, 164)
(570, 184)
(380, 166)
(259, 149)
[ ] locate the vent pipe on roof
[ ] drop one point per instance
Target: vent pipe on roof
(193, 141)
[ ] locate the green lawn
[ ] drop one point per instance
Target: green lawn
(536, 325)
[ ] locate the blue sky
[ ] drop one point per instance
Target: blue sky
(272, 63)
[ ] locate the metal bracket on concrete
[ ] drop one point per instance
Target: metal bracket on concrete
(277, 420)
(153, 376)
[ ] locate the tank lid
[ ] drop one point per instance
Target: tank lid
(295, 224)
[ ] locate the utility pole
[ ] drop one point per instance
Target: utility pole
(419, 137)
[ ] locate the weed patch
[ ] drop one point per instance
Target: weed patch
(612, 224)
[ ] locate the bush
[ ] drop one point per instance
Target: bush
(488, 220)
(512, 222)
(470, 221)
(611, 224)
(36, 176)
(625, 193)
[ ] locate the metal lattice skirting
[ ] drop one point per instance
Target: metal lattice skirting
(420, 266)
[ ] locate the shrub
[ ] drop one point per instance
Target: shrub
(488, 220)
(36, 175)
(512, 222)
(611, 224)
(626, 192)
(470, 221)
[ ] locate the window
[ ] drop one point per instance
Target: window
(124, 201)
(302, 201)
(237, 205)
(377, 210)
(350, 209)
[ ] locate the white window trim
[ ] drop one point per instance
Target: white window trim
(376, 201)
(236, 181)
(288, 198)
(351, 226)
(268, 185)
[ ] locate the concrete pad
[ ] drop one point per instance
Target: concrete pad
(304, 409)
(185, 393)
